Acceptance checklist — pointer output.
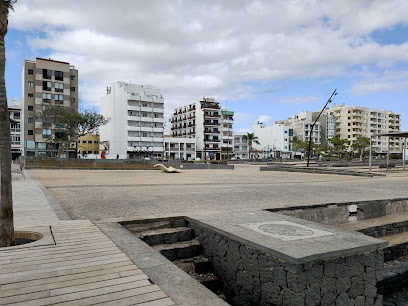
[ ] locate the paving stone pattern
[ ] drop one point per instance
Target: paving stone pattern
(255, 278)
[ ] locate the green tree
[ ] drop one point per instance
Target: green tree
(296, 143)
(250, 139)
(6, 198)
(360, 145)
(70, 124)
(339, 145)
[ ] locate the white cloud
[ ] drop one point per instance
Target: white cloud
(298, 100)
(191, 49)
(265, 119)
(391, 80)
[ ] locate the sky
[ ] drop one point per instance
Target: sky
(264, 60)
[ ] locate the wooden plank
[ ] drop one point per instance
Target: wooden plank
(58, 285)
(85, 294)
(72, 271)
(112, 297)
(138, 299)
(62, 263)
(24, 297)
(55, 269)
(127, 270)
(57, 258)
(107, 283)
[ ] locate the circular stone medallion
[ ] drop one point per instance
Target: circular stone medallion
(285, 230)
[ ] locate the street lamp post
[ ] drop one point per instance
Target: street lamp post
(311, 129)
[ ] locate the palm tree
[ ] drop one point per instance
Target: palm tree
(251, 138)
(6, 200)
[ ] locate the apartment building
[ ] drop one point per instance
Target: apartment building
(211, 126)
(274, 141)
(302, 125)
(182, 148)
(136, 126)
(46, 82)
(88, 146)
(240, 146)
(355, 121)
(16, 110)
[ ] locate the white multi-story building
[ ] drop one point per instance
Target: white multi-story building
(211, 126)
(16, 110)
(275, 141)
(240, 145)
(136, 126)
(182, 148)
(355, 121)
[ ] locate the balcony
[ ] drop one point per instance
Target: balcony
(212, 116)
(211, 124)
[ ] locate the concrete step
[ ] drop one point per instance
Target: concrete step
(194, 265)
(397, 246)
(150, 225)
(179, 250)
(167, 235)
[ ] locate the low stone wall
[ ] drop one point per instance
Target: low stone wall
(333, 213)
(319, 170)
(53, 163)
(254, 277)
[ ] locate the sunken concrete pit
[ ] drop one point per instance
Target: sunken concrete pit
(269, 259)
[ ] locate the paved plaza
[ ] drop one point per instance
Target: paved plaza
(127, 194)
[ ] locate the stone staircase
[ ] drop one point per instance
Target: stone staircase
(176, 241)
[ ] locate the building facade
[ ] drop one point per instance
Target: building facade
(240, 146)
(182, 148)
(355, 121)
(16, 110)
(88, 146)
(46, 82)
(275, 141)
(211, 126)
(136, 126)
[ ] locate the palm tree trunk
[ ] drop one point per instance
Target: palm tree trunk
(6, 200)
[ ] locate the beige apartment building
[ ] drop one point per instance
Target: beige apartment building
(355, 121)
(46, 82)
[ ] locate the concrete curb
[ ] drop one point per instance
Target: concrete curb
(178, 285)
(59, 211)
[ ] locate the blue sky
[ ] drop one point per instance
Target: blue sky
(266, 60)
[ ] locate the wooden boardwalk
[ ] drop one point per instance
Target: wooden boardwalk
(84, 267)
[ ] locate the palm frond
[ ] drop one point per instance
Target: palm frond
(8, 4)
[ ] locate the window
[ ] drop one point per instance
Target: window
(30, 108)
(73, 100)
(46, 121)
(59, 75)
(144, 134)
(83, 141)
(46, 133)
(59, 87)
(144, 105)
(30, 84)
(30, 132)
(144, 115)
(46, 97)
(89, 141)
(285, 139)
(286, 132)
(59, 99)
(30, 95)
(72, 77)
(30, 71)
(30, 120)
(17, 115)
(46, 85)
(73, 89)
(96, 141)
(156, 115)
(89, 152)
(47, 74)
